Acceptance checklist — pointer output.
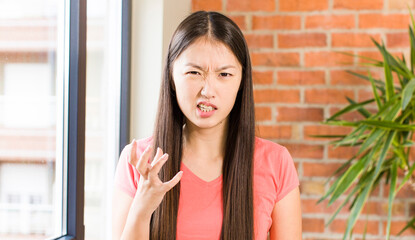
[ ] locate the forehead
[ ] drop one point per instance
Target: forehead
(208, 52)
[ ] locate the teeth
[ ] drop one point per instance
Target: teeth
(205, 108)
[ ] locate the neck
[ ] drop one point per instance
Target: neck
(205, 146)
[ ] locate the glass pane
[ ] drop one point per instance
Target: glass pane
(30, 120)
(102, 113)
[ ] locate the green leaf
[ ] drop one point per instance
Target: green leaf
(342, 123)
(407, 93)
(349, 177)
(361, 199)
(388, 74)
(392, 194)
(375, 92)
(379, 84)
(389, 125)
(365, 113)
(410, 224)
(406, 178)
(412, 41)
(374, 135)
(326, 136)
(349, 108)
(341, 206)
(357, 134)
(408, 143)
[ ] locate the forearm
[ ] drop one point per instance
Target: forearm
(137, 227)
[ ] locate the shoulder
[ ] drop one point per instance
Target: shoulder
(142, 144)
(270, 155)
(265, 148)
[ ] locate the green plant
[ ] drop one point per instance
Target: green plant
(383, 138)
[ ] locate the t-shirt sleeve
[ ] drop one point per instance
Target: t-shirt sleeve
(126, 175)
(286, 175)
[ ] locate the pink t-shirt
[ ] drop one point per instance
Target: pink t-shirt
(200, 204)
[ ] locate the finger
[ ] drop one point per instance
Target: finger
(170, 184)
(133, 156)
(143, 165)
(159, 153)
(155, 169)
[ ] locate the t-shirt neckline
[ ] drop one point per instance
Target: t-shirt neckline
(198, 179)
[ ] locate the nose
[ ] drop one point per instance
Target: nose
(207, 90)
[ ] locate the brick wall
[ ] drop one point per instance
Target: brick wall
(300, 80)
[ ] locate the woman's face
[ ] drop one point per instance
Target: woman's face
(206, 76)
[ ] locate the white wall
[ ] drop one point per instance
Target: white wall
(153, 23)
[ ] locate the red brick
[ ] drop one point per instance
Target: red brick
(398, 208)
(324, 130)
(406, 192)
(263, 114)
(276, 22)
(273, 132)
(262, 77)
(302, 40)
(301, 77)
(311, 188)
(363, 95)
(397, 40)
(341, 77)
(327, 59)
(397, 226)
(240, 21)
(351, 116)
(276, 95)
(375, 55)
(354, 39)
(303, 5)
(372, 226)
(327, 96)
(315, 225)
(400, 4)
(411, 209)
(330, 21)
(358, 4)
(390, 21)
(292, 114)
(305, 150)
(373, 208)
(319, 169)
(206, 5)
(251, 5)
(259, 41)
(310, 206)
(342, 152)
(273, 59)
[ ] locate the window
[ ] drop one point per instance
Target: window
(60, 113)
(30, 129)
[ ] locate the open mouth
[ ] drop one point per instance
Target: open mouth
(205, 108)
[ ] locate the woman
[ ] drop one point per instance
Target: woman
(233, 185)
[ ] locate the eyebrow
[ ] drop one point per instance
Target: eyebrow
(201, 68)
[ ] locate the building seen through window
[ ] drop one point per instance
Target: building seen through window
(30, 205)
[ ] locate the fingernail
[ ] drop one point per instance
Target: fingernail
(148, 148)
(133, 140)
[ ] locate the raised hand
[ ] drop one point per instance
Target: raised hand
(150, 189)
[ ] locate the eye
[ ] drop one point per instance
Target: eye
(225, 74)
(193, 73)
